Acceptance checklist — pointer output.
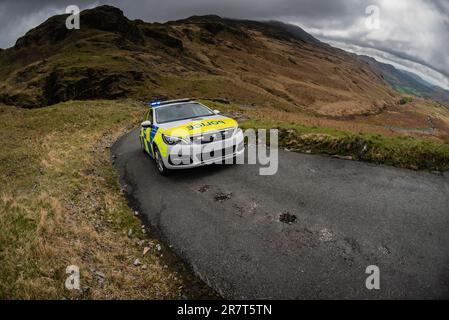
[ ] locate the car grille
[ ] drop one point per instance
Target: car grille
(212, 136)
(217, 154)
(203, 157)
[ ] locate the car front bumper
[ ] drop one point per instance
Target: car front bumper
(196, 155)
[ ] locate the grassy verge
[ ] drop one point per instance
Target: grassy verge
(400, 151)
(396, 150)
(61, 205)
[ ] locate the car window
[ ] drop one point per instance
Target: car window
(181, 111)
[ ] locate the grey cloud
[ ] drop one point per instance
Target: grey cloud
(364, 48)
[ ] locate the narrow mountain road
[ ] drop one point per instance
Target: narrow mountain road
(224, 222)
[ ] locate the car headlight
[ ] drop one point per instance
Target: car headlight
(172, 140)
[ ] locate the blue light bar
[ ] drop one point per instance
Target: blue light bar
(154, 103)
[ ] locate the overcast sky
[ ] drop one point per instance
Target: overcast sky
(411, 34)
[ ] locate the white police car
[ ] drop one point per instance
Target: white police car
(180, 134)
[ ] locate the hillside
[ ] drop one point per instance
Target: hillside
(407, 82)
(262, 63)
(266, 70)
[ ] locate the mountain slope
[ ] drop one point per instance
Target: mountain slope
(263, 63)
(408, 82)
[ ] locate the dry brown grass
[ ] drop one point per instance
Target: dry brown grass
(395, 121)
(61, 204)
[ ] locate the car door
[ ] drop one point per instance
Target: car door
(146, 132)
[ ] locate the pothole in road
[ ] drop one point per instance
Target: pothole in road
(222, 196)
(287, 217)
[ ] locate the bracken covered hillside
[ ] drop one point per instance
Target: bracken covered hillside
(255, 63)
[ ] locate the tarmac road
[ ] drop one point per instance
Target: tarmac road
(224, 222)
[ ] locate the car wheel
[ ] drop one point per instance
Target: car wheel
(160, 162)
(142, 146)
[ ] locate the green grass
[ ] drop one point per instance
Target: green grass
(406, 90)
(406, 100)
(405, 152)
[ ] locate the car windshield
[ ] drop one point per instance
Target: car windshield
(181, 111)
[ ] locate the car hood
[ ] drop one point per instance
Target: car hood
(185, 128)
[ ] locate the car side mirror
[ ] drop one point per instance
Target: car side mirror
(146, 124)
(217, 111)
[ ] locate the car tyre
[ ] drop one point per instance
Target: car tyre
(159, 162)
(142, 146)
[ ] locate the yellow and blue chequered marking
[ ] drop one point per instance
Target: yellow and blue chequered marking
(148, 138)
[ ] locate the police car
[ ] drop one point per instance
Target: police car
(181, 134)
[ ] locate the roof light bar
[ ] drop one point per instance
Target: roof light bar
(155, 103)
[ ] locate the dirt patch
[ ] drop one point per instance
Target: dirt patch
(204, 188)
(245, 209)
(384, 250)
(326, 235)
